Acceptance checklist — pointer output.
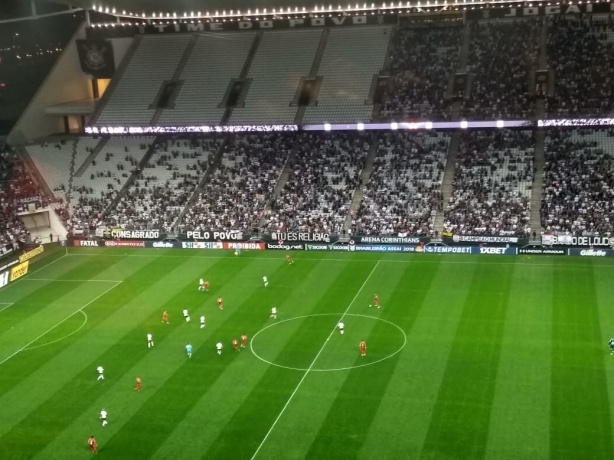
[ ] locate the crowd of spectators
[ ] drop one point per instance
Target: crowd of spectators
(162, 189)
(422, 62)
(321, 183)
(15, 184)
(578, 193)
(502, 55)
(404, 190)
(492, 184)
(581, 55)
(236, 194)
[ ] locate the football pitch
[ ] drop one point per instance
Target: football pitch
(469, 357)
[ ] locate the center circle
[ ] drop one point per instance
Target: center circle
(296, 356)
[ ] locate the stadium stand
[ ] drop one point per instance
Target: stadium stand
(404, 190)
(105, 176)
(492, 184)
(578, 195)
(239, 189)
(281, 60)
(214, 61)
(15, 183)
(422, 61)
(164, 186)
(321, 184)
(502, 55)
(581, 54)
(154, 61)
(353, 56)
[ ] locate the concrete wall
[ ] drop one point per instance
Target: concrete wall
(65, 83)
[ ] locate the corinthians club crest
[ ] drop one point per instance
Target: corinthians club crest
(96, 57)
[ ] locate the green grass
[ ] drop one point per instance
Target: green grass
(470, 357)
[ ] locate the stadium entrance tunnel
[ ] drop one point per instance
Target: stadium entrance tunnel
(313, 342)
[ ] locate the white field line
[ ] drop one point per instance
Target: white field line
(72, 281)
(52, 328)
(6, 305)
(283, 409)
(61, 338)
(391, 261)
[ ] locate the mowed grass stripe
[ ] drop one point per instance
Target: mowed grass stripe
(270, 394)
(400, 425)
(32, 297)
(129, 356)
(18, 368)
(205, 368)
(604, 289)
(71, 374)
(227, 393)
(581, 425)
(461, 417)
(520, 417)
(350, 398)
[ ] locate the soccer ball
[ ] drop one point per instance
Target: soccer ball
(236, 253)
(369, 305)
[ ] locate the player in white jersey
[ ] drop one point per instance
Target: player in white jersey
(100, 370)
(186, 315)
(340, 326)
(218, 347)
(150, 340)
(201, 285)
(103, 417)
(202, 322)
(274, 312)
(265, 280)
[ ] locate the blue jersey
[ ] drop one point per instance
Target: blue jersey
(611, 343)
(188, 348)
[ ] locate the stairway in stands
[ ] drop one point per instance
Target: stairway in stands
(213, 165)
(538, 183)
(447, 184)
(365, 176)
(281, 183)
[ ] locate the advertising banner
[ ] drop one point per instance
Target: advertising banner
(286, 246)
(87, 243)
(124, 244)
(532, 11)
(4, 278)
(246, 245)
(303, 237)
(202, 245)
(495, 251)
(543, 251)
(214, 235)
(445, 249)
(34, 252)
(389, 239)
(583, 241)
(485, 239)
(591, 252)
(121, 234)
(320, 247)
(382, 248)
(19, 270)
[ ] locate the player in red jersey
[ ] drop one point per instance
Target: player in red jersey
(220, 303)
(165, 317)
(138, 384)
(289, 259)
(363, 348)
(92, 443)
(376, 301)
(243, 341)
(206, 285)
(235, 344)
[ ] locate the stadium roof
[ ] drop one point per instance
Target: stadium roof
(202, 8)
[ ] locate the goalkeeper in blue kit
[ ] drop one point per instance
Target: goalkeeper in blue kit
(611, 343)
